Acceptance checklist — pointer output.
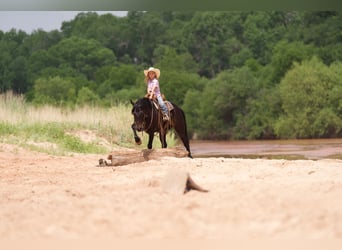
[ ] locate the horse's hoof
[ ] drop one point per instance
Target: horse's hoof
(137, 140)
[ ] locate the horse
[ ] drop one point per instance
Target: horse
(149, 118)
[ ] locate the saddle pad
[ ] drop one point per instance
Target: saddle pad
(169, 105)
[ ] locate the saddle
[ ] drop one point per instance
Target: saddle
(167, 103)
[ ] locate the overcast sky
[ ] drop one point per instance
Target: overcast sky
(29, 21)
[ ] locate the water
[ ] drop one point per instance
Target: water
(287, 149)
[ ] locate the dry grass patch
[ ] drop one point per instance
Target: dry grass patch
(86, 129)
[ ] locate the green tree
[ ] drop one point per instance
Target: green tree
(83, 55)
(285, 54)
(111, 31)
(234, 90)
(208, 39)
(322, 27)
(311, 99)
(202, 118)
(149, 28)
(175, 84)
(86, 96)
(168, 58)
(216, 111)
(13, 62)
(116, 78)
(262, 30)
(261, 115)
(54, 90)
(40, 40)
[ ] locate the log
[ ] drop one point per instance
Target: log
(129, 156)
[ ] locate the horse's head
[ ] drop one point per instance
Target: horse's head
(140, 112)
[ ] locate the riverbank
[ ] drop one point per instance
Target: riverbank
(270, 149)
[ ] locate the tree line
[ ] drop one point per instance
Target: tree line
(236, 74)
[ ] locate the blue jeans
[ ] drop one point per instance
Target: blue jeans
(162, 104)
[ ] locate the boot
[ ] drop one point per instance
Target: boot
(166, 117)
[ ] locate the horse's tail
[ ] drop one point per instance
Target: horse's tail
(186, 140)
(185, 125)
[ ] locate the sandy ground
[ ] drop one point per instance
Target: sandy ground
(50, 197)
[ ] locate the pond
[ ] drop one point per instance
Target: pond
(271, 149)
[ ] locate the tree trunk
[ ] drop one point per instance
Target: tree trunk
(129, 156)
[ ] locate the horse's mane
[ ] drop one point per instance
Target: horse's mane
(141, 103)
(144, 101)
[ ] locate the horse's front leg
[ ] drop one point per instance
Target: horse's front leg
(150, 140)
(136, 137)
(162, 138)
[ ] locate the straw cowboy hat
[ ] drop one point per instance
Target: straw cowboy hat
(155, 70)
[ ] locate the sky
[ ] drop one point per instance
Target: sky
(29, 21)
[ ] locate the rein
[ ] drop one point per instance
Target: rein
(149, 126)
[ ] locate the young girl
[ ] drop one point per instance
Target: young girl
(153, 89)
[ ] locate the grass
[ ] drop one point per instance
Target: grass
(56, 130)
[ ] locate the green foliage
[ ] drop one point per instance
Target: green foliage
(321, 27)
(310, 94)
(13, 62)
(175, 84)
(202, 116)
(231, 69)
(285, 54)
(168, 58)
(260, 116)
(222, 104)
(55, 90)
(119, 84)
(208, 40)
(120, 77)
(86, 96)
(191, 101)
(235, 89)
(83, 55)
(262, 31)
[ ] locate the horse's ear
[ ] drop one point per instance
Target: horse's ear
(132, 102)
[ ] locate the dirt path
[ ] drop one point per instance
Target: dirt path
(43, 196)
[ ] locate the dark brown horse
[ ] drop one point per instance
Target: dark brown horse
(149, 119)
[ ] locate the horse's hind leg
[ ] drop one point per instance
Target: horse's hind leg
(162, 138)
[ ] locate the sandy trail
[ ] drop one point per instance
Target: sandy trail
(43, 196)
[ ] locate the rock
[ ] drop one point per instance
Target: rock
(179, 182)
